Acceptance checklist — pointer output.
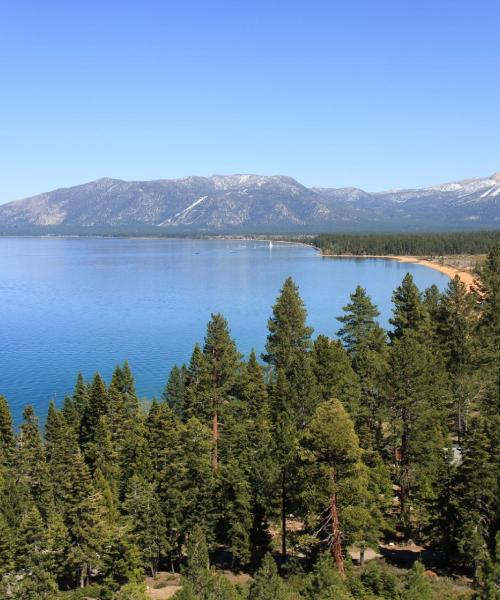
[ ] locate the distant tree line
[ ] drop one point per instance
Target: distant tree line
(377, 435)
(406, 244)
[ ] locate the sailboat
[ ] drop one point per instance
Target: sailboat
(270, 245)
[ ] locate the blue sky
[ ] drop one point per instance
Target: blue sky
(375, 94)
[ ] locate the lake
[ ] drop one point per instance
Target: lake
(86, 304)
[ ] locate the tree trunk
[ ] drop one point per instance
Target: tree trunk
(283, 515)
(404, 480)
(361, 556)
(215, 440)
(336, 545)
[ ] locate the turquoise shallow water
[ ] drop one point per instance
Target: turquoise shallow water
(86, 304)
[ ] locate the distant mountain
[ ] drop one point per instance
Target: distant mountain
(251, 203)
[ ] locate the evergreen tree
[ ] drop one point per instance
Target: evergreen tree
(247, 438)
(31, 466)
(166, 452)
(455, 328)
(123, 381)
(95, 408)
(6, 547)
(473, 518)
(418, 397)
(334, 373)
(89, 536)
(60, 447)
(268, 584)
(70, 413)
(197, 571)
(236, 511)
(359, 321)
(218, 374)
(336, 480)
(417, 585)
(122, 561)
(409, 311)
(288, 333)
(80, 395)
(193, 405)
(147, 522)
(7, 440)
(174, 393)
(371, 366)
(487, 291)
(325, 582)
(199, 507)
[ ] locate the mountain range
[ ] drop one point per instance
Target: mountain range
(251, 203)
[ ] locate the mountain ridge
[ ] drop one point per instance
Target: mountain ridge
(242, 203)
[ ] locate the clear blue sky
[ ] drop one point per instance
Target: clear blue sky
(375, 94)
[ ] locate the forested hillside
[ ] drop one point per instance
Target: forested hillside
(377, 436)
(405, 244)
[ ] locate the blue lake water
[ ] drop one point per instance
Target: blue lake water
(69, 305)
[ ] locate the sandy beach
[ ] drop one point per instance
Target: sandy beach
(466, 276)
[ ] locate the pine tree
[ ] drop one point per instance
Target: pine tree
(337, 482)
(268, 584)
(487, 292)
(101, 454)
(334, 373)
(122, 561)
(409, 311)
(473, 521)
(419, 398)
(80, 395)
(166, 452)
(193, 404)
(286, 435)
(31, 466)
(123, 381)
(147, 522)
(6, 547)
(455, 327)
(417, 585)
(218, 374)
(247, 438)
(96, 407)
(325, 581)
(359, 321)
(70, 413)
(199, 508)
(197, 571)
(252, 388)
(119, 418)
(7, 440)
(174, 393)
(60, 447)
(371, 366)
(288, 333)
(89, 536)
(236, 511)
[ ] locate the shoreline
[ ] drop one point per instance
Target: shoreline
(467, 277)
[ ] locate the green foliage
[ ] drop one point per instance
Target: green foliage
(408, 244)
(417, 585)
(359, 322)
(354, 439)
(268, 584)
(325, 582)
(289, 335)
(334, 373)
(409, 310)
